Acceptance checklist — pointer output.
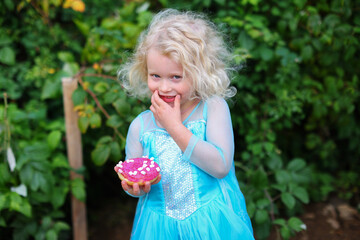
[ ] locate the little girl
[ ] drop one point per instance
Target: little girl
(180, 61)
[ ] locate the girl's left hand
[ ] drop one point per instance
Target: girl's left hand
(138, 190)
(168, 116)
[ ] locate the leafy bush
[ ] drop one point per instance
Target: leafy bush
(294, 116)
(296, 103)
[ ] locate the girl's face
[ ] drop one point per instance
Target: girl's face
(166, 76)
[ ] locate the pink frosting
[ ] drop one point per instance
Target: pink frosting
(138, 169)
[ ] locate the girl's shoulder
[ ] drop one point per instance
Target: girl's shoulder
(143, 122)
(141, 117)
(215, 104)
(216, 101)
(206, 107)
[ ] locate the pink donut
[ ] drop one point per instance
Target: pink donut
(138, 170)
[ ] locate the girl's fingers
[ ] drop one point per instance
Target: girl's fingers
(136, 189)
(152, 108)
(155, 99)
(157, 180)
(147, 187)
(177, 102)
(124, 185)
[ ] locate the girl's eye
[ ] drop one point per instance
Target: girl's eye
(155, 75)
(177, 77)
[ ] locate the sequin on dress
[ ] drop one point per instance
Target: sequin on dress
(190, 202)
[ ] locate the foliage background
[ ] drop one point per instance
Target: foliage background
(295, 115)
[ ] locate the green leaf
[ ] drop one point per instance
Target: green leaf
(4, 174)
(111, 96)
(114, 121)
(78, 189)
(4, 201)
(71, 68)
(164, 3)
(2, 222)
(5, 40)
(262, 203)
(274, 162)
(122, 106)
(9, 4)
(20, 205)
(300, 3)
(100, 154)
(53, 139)
(301, 194)
(261, 216)
(101, 87)
(95, 120)
(40, 152)
(78, 96)
(245, 41)
(280, 187)
(83, 124)
(266, 53)
(295, 224)
(220, 2)
(251, 208)
(51, 89)
(288, 199)
(259, 179)
(280, 222)
(7, 56)
(307, 53)
(59, 226)
(82, 26)
(115, 151)
(104, 140)
(262, 231)
(256, 148)
(285, 232)
(60, 161)
(58, 195)
(282, 176)
(296, 164)
(51, 235)
(269, 146)
(66, 56)
(46, 222)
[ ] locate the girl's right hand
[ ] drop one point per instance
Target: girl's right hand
(138, 190)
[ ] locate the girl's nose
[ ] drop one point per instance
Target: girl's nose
(164, 86)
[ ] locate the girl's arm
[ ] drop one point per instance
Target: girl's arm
(215, 155)
(134, 149)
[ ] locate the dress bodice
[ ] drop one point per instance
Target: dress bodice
(175, 195)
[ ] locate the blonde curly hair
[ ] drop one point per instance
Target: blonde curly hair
(187, 38)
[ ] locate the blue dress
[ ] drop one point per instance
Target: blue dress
(194, 199)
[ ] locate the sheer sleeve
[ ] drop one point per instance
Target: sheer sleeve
(133, 147)
(215, 154)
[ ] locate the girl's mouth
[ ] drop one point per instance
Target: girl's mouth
(168, 99)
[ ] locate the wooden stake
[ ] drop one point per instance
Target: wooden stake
(74, 152)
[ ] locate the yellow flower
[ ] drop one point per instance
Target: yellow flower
(76, 5)
(86, 85)
(51, 70)
(96, 66)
